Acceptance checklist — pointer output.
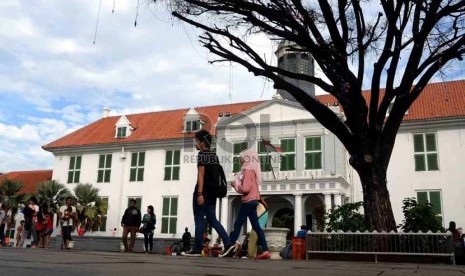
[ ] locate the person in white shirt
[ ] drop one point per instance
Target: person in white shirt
(67, 216)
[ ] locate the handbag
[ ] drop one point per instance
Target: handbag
(262, 207)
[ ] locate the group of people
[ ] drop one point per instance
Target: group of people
(246, 183)
(131, 223)
(38, 223)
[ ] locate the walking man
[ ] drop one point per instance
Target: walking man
(130, 222)
(67, 216)
(204, 198)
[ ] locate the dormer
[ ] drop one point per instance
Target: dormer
(123, 128)
(192, 121)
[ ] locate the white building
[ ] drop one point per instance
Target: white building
(151, 157)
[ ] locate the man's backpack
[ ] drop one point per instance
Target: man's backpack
(222, 189)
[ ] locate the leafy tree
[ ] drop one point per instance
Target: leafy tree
(90, 206)
(399, 45)
(319, 213)
(53, 193)
(419, 217)
(346, 218)
(11, 197)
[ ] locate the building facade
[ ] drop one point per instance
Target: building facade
(151, 157)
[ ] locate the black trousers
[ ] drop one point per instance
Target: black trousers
(148, 240)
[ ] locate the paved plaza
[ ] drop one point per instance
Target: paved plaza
(84, 263)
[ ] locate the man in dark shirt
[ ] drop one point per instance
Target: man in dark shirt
(130, 223)
(204, 199)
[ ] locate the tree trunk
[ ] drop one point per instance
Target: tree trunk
(377, 204)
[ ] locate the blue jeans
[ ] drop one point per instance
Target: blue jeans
(207, 210)
(248, 210)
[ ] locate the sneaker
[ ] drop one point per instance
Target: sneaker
(228, 252)
(264, 255)
(191, 253)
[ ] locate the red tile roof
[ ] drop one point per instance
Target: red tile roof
(153, 126)
(438, 100)
(29, 179)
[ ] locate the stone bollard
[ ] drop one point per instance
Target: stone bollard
(276, 240)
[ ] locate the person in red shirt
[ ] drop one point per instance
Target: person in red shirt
(48, 229)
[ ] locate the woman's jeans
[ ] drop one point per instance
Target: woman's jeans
(148, 240)
(206, 210)
(248, 210)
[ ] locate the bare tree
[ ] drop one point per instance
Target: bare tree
(407, 41)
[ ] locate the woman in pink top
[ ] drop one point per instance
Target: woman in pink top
(246, 183)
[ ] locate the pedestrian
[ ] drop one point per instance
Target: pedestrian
(19, 232)
(39, 229)
(204, 197)
(48, 228)
(149, 220)
(246, 183)
(67, 216)
(3, 223)
(30, 219)
(455, 233)
(262, 214)
(186, 240)
(130, 222)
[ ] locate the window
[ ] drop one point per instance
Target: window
(74, 169)
(288, 159)
(292, 62)
(426, 153)
(172, 164)
(169, 217)
(265, 158)
(103, 221)
(304, 64)
(238, 147)
(193, 125)
(104, 168)
(433, 197)
(313, 153)
(137, 166)
(121, 132)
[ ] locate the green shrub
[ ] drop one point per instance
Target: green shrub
(346, 218)
(419, 217)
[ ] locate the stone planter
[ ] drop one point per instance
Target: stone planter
(276, 240)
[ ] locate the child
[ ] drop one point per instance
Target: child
(48, 229)
(19, 232)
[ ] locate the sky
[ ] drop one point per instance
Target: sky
(62, 62)
(54, 79)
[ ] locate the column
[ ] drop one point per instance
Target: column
(224, 213)
(328, 203)
(297, 212)
(337, 200)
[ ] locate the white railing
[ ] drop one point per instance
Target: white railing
(381, 243)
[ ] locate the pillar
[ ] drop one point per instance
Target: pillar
(298, 211)
(337, 200)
